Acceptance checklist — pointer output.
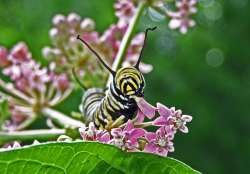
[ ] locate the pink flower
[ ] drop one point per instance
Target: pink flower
(13, 71)
(160, 142)
(124, 10)
(12, 145)
(113, 36)
(182, 18)
(61, 82)
(90, 133)
(90, 37)
(127, 138)
(20, 53)
(112, 39)
(144, 109)
(172, 117)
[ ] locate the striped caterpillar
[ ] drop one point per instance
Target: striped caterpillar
(116, 105)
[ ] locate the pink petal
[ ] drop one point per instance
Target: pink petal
(147, 109)
(150, 136)
(105, 138)
(187, 118)
(140, 116)
(145, 68)
(116, 132)
(163, 110)
(136, 133)
(174, 23)
(184, 129)
(150, 148)
(129, 126)
(183, 29)
(160, 121)
(16, 144)
(162, 152)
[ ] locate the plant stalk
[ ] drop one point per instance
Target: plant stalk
(61, 118)
(127, 39)
(42, 134)
(14, 92)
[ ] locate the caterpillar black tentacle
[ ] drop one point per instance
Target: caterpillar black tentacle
(114, 106)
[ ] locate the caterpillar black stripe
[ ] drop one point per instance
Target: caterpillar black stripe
(114, 106)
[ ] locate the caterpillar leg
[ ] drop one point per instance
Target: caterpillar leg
(116, 123)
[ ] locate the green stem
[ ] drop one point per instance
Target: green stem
(127, 39)
(42, 134)
(61, 118)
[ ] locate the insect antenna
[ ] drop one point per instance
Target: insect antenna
(144, 44)
(97, 55)
(78, 80)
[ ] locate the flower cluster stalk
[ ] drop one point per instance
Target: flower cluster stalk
(127, 39)
(43, 134)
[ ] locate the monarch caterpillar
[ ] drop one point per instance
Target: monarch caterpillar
(113, 107)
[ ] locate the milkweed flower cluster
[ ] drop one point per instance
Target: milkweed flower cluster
(180, 16)
(32, 89)
(133, 136)
(181, 19)
(67, 52)
(35, 86)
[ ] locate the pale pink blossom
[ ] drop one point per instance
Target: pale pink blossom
(127, 138)
(124, 10)
(172, 117)
(90, 133)
(159, 142)
(181, 19)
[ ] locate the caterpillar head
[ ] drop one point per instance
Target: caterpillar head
(130, 82)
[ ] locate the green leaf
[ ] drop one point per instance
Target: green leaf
(85, 158)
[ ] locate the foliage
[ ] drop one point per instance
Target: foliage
(87, 157)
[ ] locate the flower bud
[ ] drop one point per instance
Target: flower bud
(62, 82)
(74, 19)
(59, 20)
(88, 25)
(20, 53)
(47, 52)
(54, 33)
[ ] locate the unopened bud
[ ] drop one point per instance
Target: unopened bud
(54, 33)
(88, 25)
(59, 20)
(73, 19)
(47, 52)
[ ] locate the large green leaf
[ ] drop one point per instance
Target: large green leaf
(83, 158)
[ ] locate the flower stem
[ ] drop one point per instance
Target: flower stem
(143, 125)
(14, 92)
(42, 134)
(61, 118)
(25, 124)
(127, 39)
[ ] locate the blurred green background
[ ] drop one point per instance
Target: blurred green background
(206, 72)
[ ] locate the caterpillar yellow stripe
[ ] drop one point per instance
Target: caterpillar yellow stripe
(114, 106)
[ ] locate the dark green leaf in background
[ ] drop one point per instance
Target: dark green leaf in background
(83, 158)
